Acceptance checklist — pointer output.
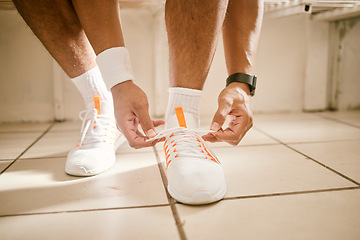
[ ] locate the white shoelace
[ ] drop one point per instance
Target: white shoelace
(188, 141)
(96, 127)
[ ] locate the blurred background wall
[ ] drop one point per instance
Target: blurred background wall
(305, 62)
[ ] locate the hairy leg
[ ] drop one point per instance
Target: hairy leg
(56, 25)
(193, 28)
(101, 22)
(241, 32)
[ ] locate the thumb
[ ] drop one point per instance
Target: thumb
(220, 116)
(146, 123)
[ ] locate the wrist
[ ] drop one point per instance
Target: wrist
(120, 87)
(243, 86)
(115, 67)
(249, 80)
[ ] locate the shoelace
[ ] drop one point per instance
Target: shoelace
(96, 128)
(184, 142)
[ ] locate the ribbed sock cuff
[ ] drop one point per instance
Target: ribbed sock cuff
(188, 99)
(91, 83)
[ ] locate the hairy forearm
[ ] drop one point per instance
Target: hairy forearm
(241, 30)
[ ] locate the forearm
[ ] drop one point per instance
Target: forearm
(241, 30)
(101, 22)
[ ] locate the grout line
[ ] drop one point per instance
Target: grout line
(66, 131)
(170, 199)
(166, 205)
(32, 144)
(6, 160)
(324, 141)
(85, 210)
(21, 132)
(337, 120)
(327, 167)
(36, 158)
(292, 193)
(312, 159)
(303, 142)
(244, 146)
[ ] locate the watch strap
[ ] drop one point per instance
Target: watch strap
(243, 78)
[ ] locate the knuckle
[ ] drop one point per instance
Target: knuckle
(132, 144)
(251, 119)
(225, 102)
(241, 98)
(222, 114)
(146, 123)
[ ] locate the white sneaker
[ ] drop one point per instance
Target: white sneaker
(194, 174)
(95, 152)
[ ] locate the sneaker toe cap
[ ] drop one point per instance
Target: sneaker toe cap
(196, 181)
(89, 162)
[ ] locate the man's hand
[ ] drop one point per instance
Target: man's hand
(233, 101)
(131, 109)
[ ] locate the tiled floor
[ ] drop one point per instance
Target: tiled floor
(294, 176)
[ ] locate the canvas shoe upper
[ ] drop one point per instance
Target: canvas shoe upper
(95, 152)
(194, 174)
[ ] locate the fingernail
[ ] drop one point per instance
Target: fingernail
(151, 133)
(215, 126)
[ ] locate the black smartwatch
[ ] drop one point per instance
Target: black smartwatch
(243, 78)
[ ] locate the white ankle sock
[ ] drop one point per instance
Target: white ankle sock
(91, 83)
(189, 100)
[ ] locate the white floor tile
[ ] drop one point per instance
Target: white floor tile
(67, 126)
(37, 183)
(129, 224)
(13, 144)
(53, 144)
(273, 169)
(41, 185)
(305, 128)
(315, 216)
(4, 164)
(343, 156)
(352, 117)
(24, 127)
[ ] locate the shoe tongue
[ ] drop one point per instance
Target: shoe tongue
(102, 106)
(107, 108)
(182, 119)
